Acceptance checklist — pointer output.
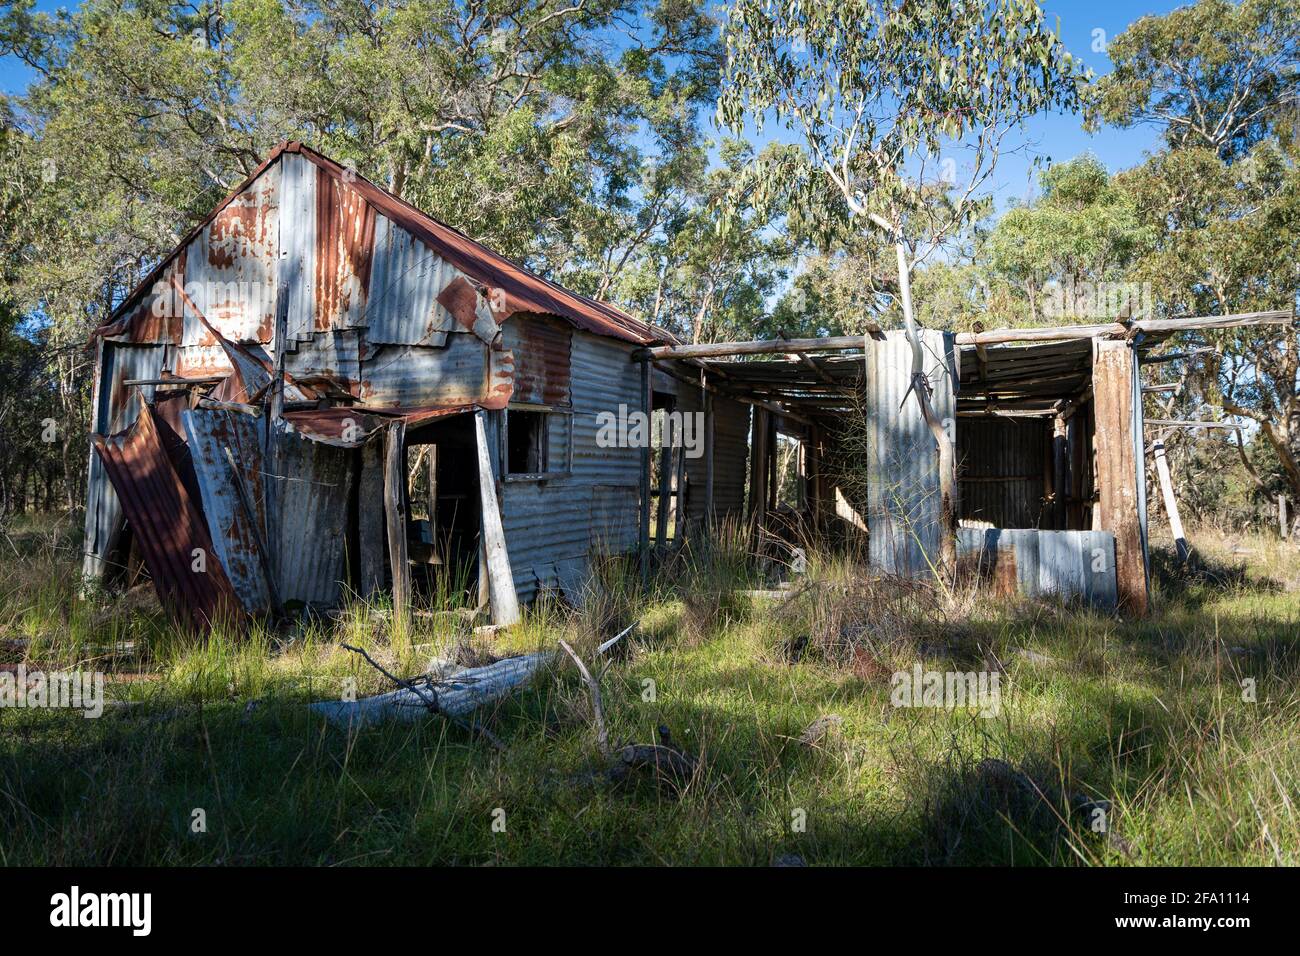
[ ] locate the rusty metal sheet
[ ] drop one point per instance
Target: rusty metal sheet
(464, 372)
(345, 241)
(1065, 565)
(351, 427)
(235, 524)
(168, 524)
(541, 347)
(232, 265)
(158, 316)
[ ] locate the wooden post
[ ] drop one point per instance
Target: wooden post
(395, 513)
(1171, 503)
(1117, 468)
(271, 489)
(431, 464)
(665, 486)
(1060, 471)
(504, 601)
(370, 517)
(679, 495)
(643, 529)
(1281, 515)
(708, 463)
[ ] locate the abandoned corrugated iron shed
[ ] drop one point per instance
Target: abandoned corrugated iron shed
(323, 391)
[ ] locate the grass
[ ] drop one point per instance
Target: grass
(1143, 720)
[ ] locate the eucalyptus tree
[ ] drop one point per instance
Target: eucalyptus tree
(894, 114)
(1214, 74)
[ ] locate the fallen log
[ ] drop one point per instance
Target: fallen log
(454, 696)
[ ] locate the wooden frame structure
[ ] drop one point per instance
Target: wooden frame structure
(1082, 382)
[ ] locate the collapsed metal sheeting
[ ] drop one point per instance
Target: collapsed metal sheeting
(169, 526)
(226, 450)
(115, 407)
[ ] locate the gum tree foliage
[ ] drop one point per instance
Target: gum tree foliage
(898, 112)
(1053, 252)
(1220, 81)
(1213, 75)
(564, 133)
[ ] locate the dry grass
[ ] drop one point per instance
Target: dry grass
(1145, 720)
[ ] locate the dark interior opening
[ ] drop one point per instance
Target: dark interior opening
(1027, 471)
(526, 442)
(443, 508)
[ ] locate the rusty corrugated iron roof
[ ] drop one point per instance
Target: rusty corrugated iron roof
(511, 288)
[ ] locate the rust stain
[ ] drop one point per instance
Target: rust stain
(460, 299)
(501, 379)
(239, 231)
(345, 245)
(1006, 581)
(168, 523)
(542, 367)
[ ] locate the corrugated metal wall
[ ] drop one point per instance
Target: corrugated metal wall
(1069, 565)
(115, 409)
(730, 455)
(542, 348)
(903, 460)
(1001, 462)
(551, 527)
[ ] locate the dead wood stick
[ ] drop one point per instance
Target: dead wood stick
(616, 638)
(597, 710)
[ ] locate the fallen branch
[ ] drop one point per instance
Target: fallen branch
(668, 763)
(616, 638)
(597, 709)
(451, 697)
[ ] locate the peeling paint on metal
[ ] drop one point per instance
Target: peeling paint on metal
(235, 532)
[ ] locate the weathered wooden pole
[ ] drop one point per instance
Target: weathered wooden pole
(395, 515)
(1117, 467)
(643, 529)
(1171, 503)
(501, 584)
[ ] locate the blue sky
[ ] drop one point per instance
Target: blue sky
(1057, 136)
